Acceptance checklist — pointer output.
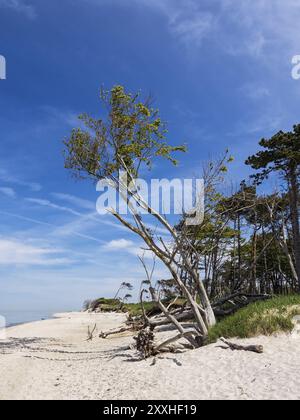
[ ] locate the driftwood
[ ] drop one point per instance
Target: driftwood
(254, 348)
(164, 316)
(166, 344)
(181, 317)
(90, 334)
(115, 331)
(146, 346)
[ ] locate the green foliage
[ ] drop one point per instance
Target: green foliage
(261, 318)
(135, 309)
(131, 135)
(280, 153)
(106, 305)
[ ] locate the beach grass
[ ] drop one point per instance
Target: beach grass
(260, 318)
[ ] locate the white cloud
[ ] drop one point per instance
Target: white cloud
(130, 247)
(9, 192)
(19, 6)
(262, 25)
(14, 252)
(119, 244)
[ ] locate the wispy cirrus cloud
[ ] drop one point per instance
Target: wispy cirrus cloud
(263, 29)
(9, 192)
(82, 222)
(264, 125)
(56, 230)
(254, 91)
(19, 6)
(50, 204)
(244, 27)
(5, 176)
(76, 201)
(187, 21)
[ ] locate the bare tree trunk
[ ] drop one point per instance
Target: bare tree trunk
(254, 257)
(239, 250)
(294, 198)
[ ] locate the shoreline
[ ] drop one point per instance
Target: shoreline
(53, 316)
(41, 316)
(52, 360)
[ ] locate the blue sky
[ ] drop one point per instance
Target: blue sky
(220, 72)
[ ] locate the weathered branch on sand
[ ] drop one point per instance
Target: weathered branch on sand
(166, 344)
(115, 331)
(90, 334)
(254, 348)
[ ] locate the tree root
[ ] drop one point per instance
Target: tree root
(145, 342)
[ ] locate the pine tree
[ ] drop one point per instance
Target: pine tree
(281, 154)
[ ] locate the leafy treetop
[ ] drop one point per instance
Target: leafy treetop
(281, 153)
(133, 134)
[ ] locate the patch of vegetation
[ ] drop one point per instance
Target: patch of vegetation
(105, 305)
(260, 318)
(135, 309)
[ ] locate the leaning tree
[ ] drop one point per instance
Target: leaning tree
(128, 139)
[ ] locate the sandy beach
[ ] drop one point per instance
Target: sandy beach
(52, 360)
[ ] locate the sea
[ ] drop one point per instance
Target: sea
(11, 317)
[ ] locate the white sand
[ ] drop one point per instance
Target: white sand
(51, 360)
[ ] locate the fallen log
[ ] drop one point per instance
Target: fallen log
(254, 348)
